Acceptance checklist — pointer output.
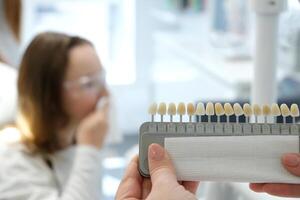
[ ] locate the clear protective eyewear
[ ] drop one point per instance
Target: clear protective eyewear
(94, 83)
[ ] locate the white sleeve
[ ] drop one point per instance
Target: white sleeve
(83, 183)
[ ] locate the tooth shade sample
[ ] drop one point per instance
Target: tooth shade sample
(275, 110)
(284, 110)
(294, 110)
(256, 110)
(162, 109)
(190, 109)
(200, 110)
(228, 109)
(266, 110)
(172, 109)
(152, 109)
(238, 110)
(210, 109)
(219, 109)
(181, 109)
(247, 110)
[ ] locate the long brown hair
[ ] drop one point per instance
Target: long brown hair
(13, 13)
(41, 74)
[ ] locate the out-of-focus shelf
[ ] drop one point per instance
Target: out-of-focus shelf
(194, 43)
(229, 72)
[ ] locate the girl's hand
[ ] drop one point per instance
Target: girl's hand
(92, 129)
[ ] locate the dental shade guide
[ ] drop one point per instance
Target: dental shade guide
(193, 145)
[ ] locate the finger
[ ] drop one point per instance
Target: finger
(132, 169)
(282, 190)
(103, 104)
(146, 188)
(130, 186)
(292, 163)
(102, 111)
(160, 166)
(256, 187)
(191, 186)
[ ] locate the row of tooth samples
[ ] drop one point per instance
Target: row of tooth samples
(227, 109)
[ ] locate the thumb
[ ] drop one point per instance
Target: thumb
(160, 166)
(291, 162)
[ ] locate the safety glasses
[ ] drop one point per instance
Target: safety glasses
(94, 83)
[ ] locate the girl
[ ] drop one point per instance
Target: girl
(58, 157)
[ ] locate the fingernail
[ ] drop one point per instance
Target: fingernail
(156, 152)
(291, 160)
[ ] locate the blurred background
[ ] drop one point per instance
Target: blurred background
(159, 50)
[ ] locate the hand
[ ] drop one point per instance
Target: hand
(163, 183)
(292, 163)
(92, 130)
